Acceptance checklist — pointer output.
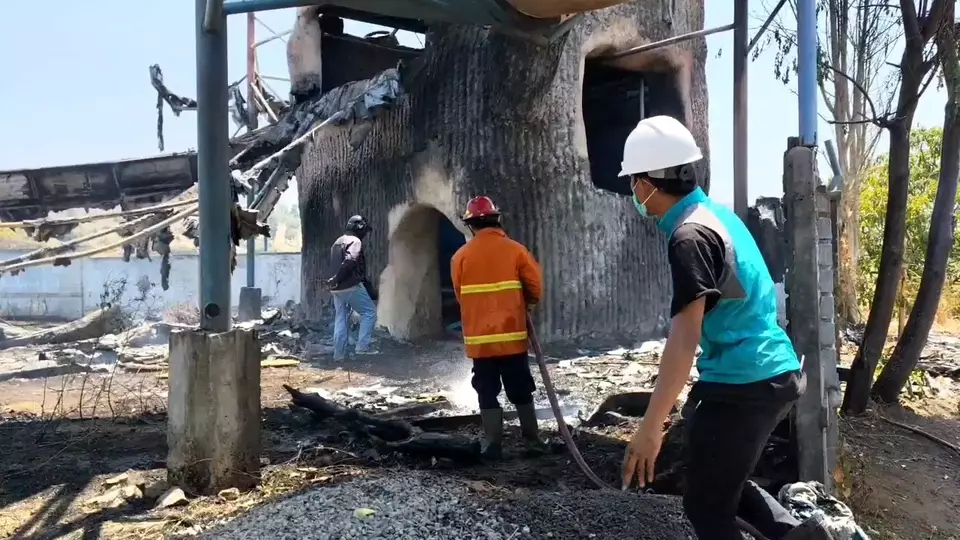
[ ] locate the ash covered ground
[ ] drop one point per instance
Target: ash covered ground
(82, 445)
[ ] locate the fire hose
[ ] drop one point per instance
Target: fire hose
(568, 438)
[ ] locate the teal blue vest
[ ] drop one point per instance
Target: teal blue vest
(741, 339)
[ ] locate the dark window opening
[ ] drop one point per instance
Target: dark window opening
(614, 101)
(347, 58)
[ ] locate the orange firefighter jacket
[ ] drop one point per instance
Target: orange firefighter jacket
(495, 278)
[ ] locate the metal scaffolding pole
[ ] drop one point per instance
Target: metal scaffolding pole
(740, 131)
(251, 125)
(669, 41)
(213, 157)
(807, 68)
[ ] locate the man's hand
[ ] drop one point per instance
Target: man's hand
(641, 455)
(331, 283)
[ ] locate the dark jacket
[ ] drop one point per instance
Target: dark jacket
(346, 265)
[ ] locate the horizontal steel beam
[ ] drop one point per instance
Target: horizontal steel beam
(235, 7)
(669, 41)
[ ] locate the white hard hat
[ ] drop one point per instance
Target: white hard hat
(658, 143)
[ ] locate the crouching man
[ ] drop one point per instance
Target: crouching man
(351, 290)
(725, 301)
(496, 280)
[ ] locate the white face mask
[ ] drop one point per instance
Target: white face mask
(641, 206)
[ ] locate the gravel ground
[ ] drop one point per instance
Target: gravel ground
(612, 515)
(419, 506)
(408, 505)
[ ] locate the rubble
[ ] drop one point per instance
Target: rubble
(941, 356)
(395, 434)
(121, 490)
(229, 494)
(411, 417)
(172, 497)
(9, 331)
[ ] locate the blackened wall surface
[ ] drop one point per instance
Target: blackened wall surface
(497, 116)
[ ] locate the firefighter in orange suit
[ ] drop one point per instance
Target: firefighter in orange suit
(496, 281)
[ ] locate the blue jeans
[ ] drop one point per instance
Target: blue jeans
(353, 299)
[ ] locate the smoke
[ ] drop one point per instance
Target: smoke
(454, 377)
(461, 395)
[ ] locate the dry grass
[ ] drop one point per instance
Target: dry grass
(182, 313)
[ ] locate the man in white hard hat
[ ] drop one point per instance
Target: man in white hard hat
(725, 301)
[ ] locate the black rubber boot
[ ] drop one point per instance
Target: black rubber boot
(530, 429)
(492, 446)
(811, 529)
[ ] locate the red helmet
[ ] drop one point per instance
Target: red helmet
(479, 207)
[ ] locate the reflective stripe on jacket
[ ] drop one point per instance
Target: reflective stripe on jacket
(495, 278)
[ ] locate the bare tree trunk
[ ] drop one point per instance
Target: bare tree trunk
(92, 325)
(839, 36)
(857, 395)
(848, 309)
(940, 241)
(857, 39)
(902, 302)
(918, 31)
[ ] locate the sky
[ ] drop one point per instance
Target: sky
(76, 87)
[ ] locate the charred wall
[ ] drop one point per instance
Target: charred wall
(495, 115)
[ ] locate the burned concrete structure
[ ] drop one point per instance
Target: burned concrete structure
(539, 129)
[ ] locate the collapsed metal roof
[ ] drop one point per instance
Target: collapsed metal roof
(33, 193)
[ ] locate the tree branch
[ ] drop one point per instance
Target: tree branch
(935, 19)
(911, 24)
(922, 433)
(860, 88)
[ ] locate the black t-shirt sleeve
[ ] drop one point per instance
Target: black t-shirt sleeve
(696, 254)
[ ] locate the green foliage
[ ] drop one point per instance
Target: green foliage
(924, 176)
(869, 32)
(284, 224)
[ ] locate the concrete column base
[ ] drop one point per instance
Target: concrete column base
(213, 426)
(249, 308)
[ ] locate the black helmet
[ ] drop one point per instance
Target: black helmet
(357, 224)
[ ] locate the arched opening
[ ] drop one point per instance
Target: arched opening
(416, 289)
(614, 101)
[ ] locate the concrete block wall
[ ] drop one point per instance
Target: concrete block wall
(69, 292)
(810, 281)
(827, 279)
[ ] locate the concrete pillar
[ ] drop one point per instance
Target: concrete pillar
(810, 312)
(249, 307)
(213, 430)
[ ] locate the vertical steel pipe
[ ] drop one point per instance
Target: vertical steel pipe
(740, 132)
(251, 125)
(213, 170)
(807, 68)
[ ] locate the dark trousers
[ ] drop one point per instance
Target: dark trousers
(510, 373)
(723, 441)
